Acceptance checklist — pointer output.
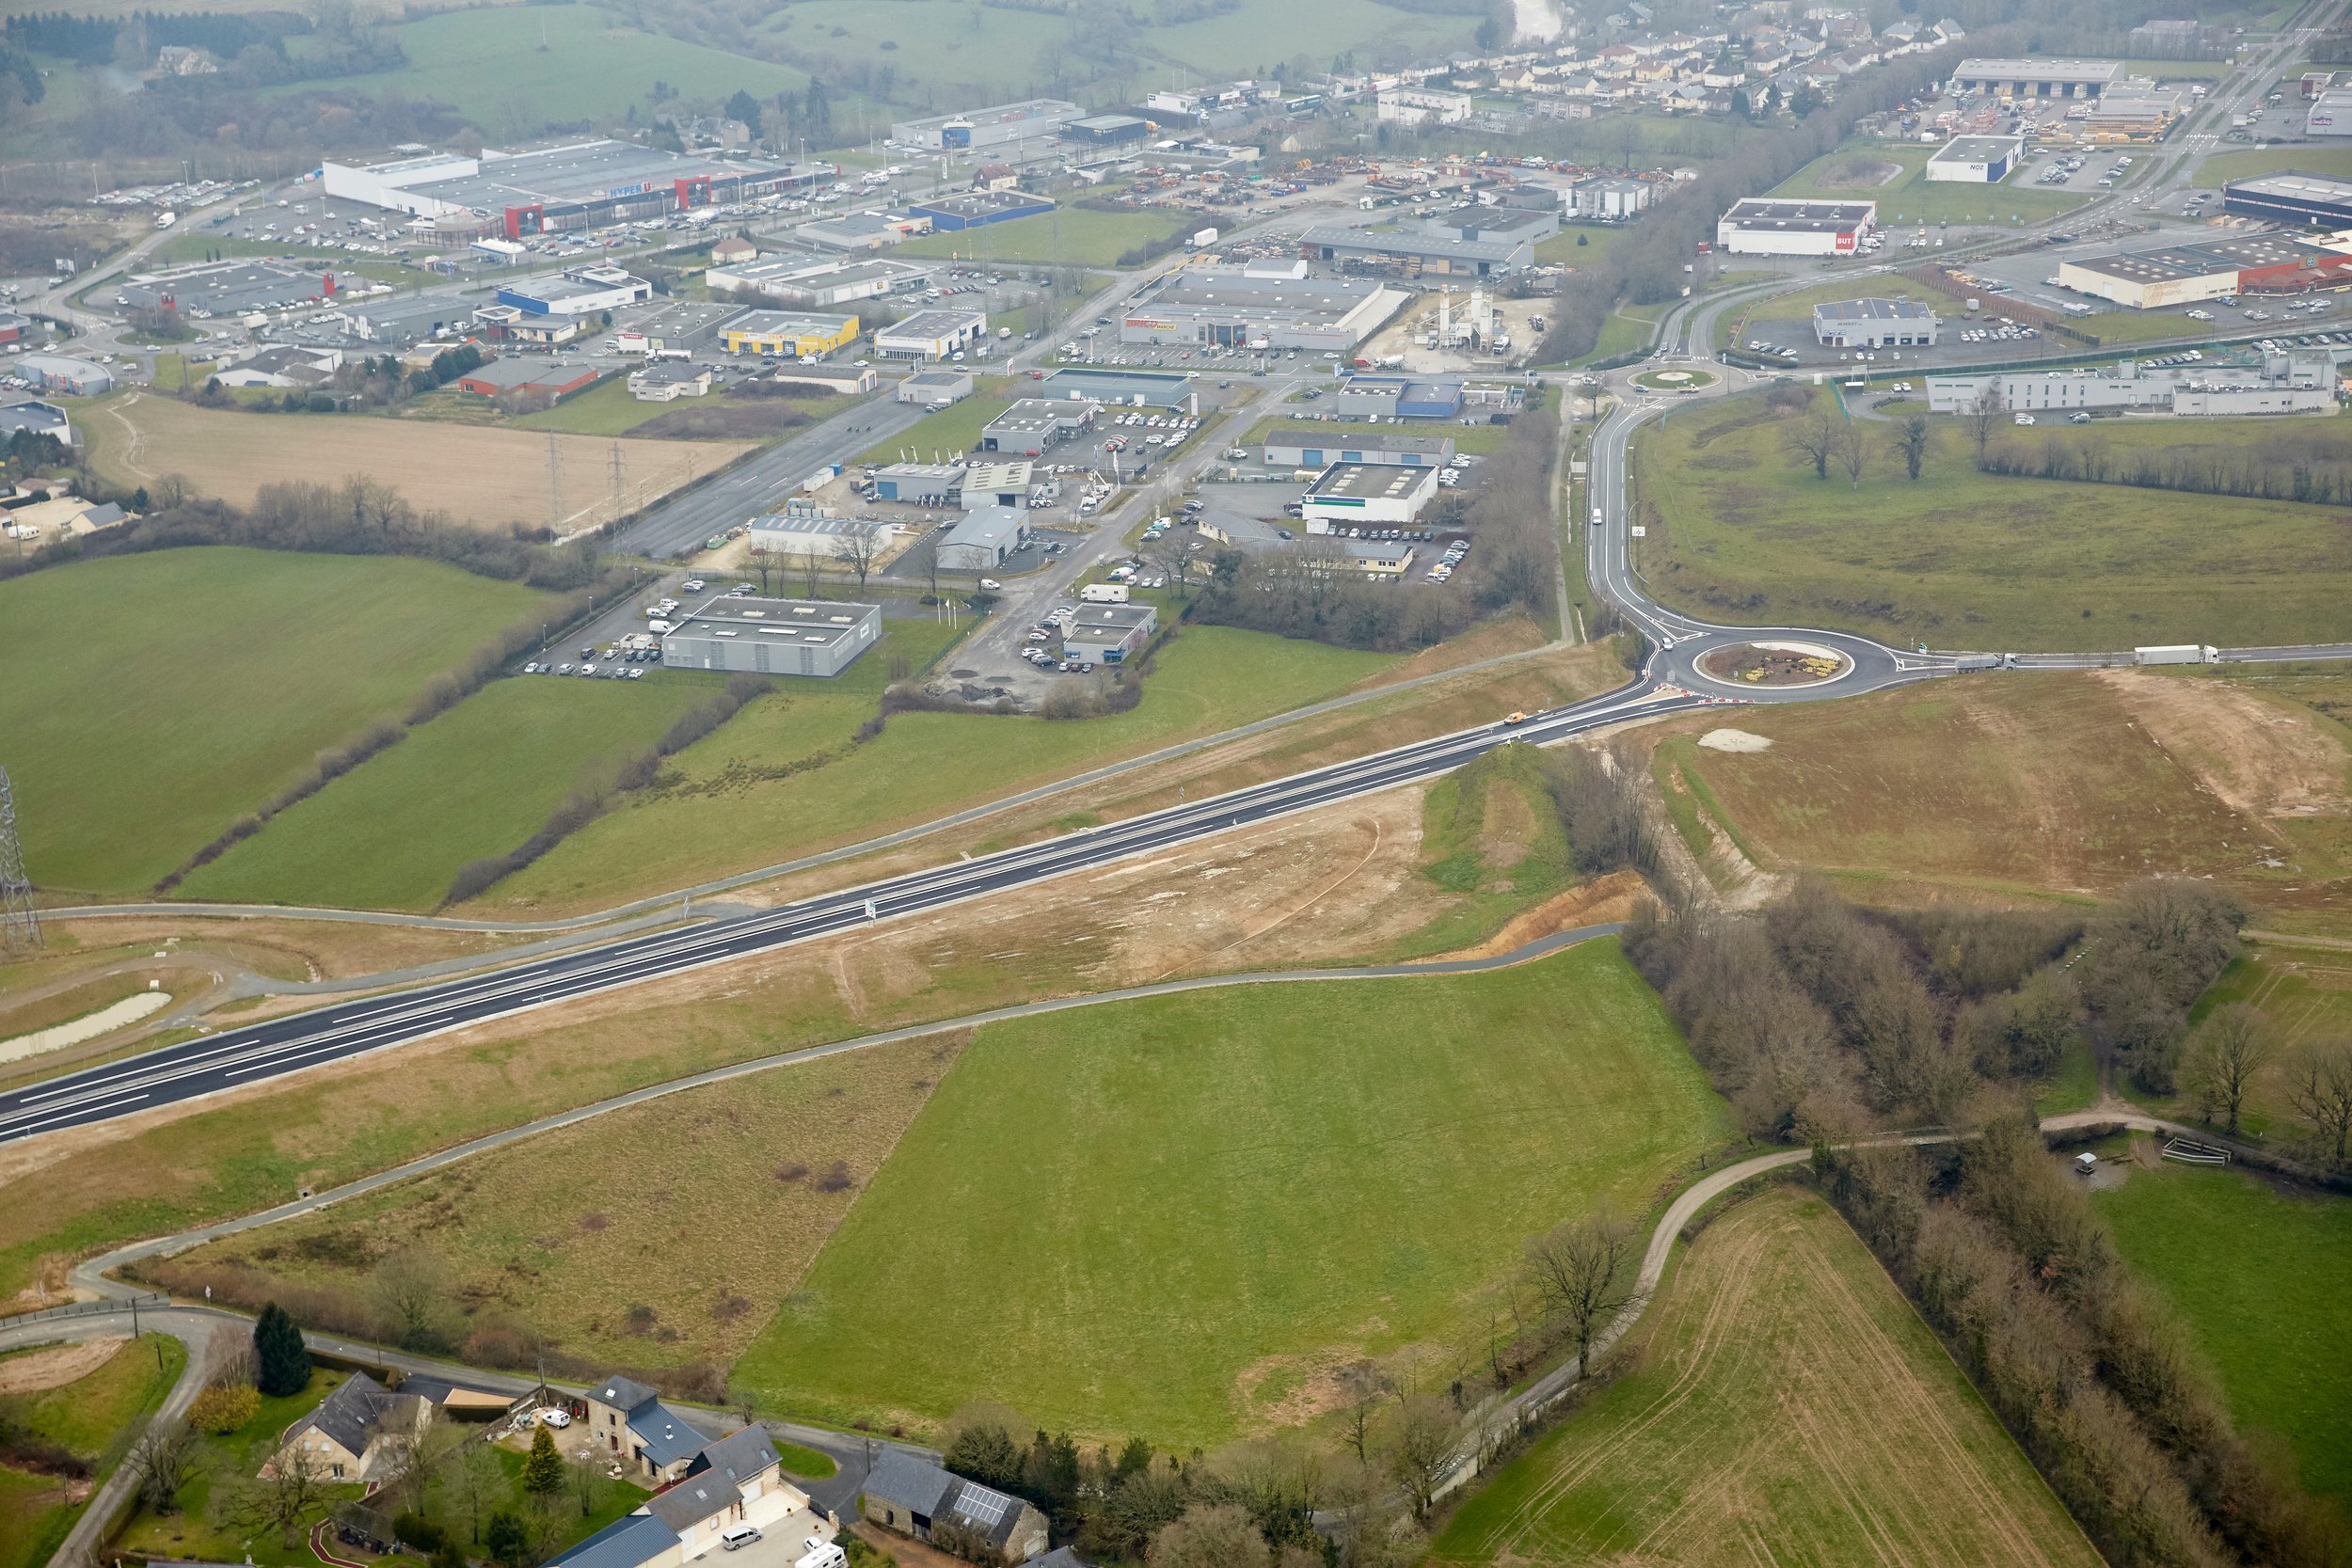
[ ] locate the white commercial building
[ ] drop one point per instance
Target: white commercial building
(772, 637)
(1873, 324)
(1425, 106)
(1365, 495)
(1232, 307)
(2037, 78)
(931, 334)
(984, 540)
(2330, 113)
(2285, 384)
(1977, 160)
(804, 529)
(999, 126)
(1770, 226)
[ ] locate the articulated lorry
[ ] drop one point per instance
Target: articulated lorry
(2177, 652)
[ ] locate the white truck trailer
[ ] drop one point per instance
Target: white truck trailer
(2177, 652)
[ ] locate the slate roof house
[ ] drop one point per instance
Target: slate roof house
(353, 1430)
(633, 1424)
(917, 1498)
(732, 1481)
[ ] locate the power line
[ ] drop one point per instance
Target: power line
(20, 922)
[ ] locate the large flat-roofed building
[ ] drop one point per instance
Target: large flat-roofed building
(1107, 633)
(576, 291)
(1873, 324)
(857, 233)
(2291, 196)
(1419, 252)
(951, 214)
(819, 282)
(680, 324)
(788, 334)
(2130, 117)
(1366, 495)
(1033, 426)
(936, 389)
(2283, 383)
(1772, 225)
(984, 540)
(2037, 78)
(1106, 131)
(2329, 114)
(1531, 223)
(1226, 306)
(992, 127)
(1610, 196)
(1314, 448)
(772, 637)
(1005, 484)
(920, 484)
(931, 334)
(1976, 160)
(585, 184)
(804, 529)
(2184, 274)
(1135, 388)
(1397, 397)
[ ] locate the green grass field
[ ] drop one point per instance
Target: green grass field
(1171, 1217)
(1069, 236)
(1911, 197)
(604, 409)
(2262, 1281)
(90, 1416)
(477, 780)
(1562, 249)
(949, 433)
(784, 777)
(1962, 559)
(1628, 329)
(1491, 832)
(2242, 165)
(154, 697)
(1788, 1406)
(490, 63)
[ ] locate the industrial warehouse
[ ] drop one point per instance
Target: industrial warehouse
(2037, 78)
(1976, 160)
(1366, 495)
(818, 281)
(2182, 275)
(951, 214)
(584, 185)
(2285, 384)
(1874, 324)
(931, 334)
(1770, 226)
(1313, 449)
(2291, 196)
(1257, 307)
(772, 637)
(1001, 126)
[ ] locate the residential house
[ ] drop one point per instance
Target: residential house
(646, 1434)
(734, 247)
(665, 380)
(354, 1431)
(733, 1480)
(917, 1498)
(67, 517)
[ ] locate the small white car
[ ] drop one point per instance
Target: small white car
(991, 583)
(551, 1416)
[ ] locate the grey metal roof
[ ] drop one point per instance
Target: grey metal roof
(626, 1542)
(915, 1484)
(664, 1435)
(693, 1500)
(1356, 438)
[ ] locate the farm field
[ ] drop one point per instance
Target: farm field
(527, 1234)
(491, 62)
(2261, 1278)
(1741, 531)
(127, 763)
(90, 1399)
(477, 780)
(1178, 1216)
(1072, 236)
(1779, 1375)
(2042, 784)
(787, 775)
(1894, 177)
(486, 477)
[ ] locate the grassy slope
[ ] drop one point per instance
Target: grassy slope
(2263, 1280)
(722, 816)
(86, 1415)
(154, 697)
(950, 431)
(1962, 559)
(1911, 197)
(1162, 1217)
(477, 780)
(1492, 831)
(1074, 236)
(2242, 165)
(489, 62)
(1788, 1406)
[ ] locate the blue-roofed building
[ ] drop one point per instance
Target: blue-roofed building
(635, 1427)
(633, 1540)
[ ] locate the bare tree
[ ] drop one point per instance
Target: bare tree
(1421, 1441)
(1366, 1387)
(1852, 451)
(1587, 1272)
(2225, 1057)
(857, 551)
(283, 1495)
(479, 1483)
(2319, 1087)
(811, 564)
(408, 1287)
(230, 1362)
(589, 1484)
(1910, 440)
(1174, 557)
(160, 1462)
(765, 563)
(1208, 1535)
(1814, 437)
(1984, 417)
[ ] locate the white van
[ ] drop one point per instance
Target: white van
(735, 1537)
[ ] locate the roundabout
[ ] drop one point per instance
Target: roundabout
(1777, 664)
(1674, 380)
